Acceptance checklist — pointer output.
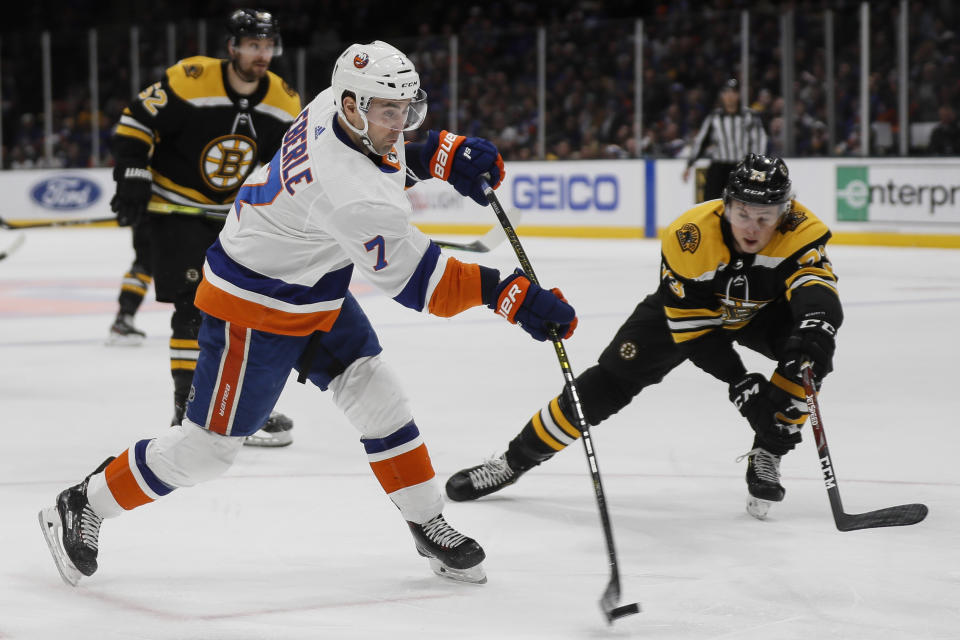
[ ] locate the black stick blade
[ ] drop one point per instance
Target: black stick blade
(899, 516)
(608, 603)
(620, 612)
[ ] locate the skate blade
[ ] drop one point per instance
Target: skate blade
(473, 575)
(758, 507)
(117, 340)
(269, 439)
(50, 525)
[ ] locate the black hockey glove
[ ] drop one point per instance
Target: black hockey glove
(133, 194)
(813, 340)
(759, 401)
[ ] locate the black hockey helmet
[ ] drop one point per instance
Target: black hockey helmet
(759, 179)
(253, 23)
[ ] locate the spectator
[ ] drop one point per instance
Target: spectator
(945, 137)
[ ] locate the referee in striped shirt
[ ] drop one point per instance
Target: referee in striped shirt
(730, 133)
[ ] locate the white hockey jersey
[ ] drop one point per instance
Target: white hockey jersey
(301, 223)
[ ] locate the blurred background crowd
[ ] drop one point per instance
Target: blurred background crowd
(689, 50)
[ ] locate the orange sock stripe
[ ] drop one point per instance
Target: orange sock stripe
(405, 470)
(123, 485)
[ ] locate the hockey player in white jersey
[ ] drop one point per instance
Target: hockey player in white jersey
(275, 298)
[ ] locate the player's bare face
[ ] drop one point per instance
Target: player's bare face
(252, 56)
(752, 225)
(386, 119)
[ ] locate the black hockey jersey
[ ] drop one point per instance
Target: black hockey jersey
(710, 290)
(201, 137)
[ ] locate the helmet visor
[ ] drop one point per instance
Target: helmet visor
(398, 115)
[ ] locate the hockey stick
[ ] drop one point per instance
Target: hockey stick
(17, 242)
(54, 223)
(490, 240)
(611, 595)
(170, 207)
(899, 516)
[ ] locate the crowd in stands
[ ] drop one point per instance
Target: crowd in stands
(690, 49)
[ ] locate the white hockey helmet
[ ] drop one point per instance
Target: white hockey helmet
(379, 70)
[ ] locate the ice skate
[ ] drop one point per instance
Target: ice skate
(124, 333)
(72, 532)
(277, 432)
(763, 482)
(469, 484)
(451, 554)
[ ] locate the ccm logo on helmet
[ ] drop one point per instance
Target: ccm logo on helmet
(507, 301)
(443, 155)
(360, 60)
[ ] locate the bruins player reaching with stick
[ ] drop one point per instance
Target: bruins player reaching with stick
(750, 268)
(183, 149)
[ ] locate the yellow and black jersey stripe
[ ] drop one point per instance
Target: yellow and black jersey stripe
(201, 137)
(708, 287)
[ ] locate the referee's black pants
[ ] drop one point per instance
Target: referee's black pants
(717, 175)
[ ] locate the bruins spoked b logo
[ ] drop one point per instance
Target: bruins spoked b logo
(227, 161)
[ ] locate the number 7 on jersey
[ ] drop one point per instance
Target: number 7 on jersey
(378, 244)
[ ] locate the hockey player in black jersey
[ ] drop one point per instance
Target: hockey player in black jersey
(750, 268)
(183, 148)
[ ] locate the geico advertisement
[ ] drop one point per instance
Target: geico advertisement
(914, 192)
(597, 193)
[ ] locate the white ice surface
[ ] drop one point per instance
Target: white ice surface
(301, 543)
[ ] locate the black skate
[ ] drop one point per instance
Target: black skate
(72, 531)
(482, 480)
(763, 481)
(124, 333)
(276, 432)
(452, 554)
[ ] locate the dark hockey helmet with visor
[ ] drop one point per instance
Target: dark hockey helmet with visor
(760, 180)
(254, 23)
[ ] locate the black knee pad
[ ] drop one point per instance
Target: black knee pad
(185, 321)
(602, 394)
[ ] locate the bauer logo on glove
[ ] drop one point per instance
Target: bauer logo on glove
(462, 161)
(507, 300)
(534, 308)
(442, 158)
